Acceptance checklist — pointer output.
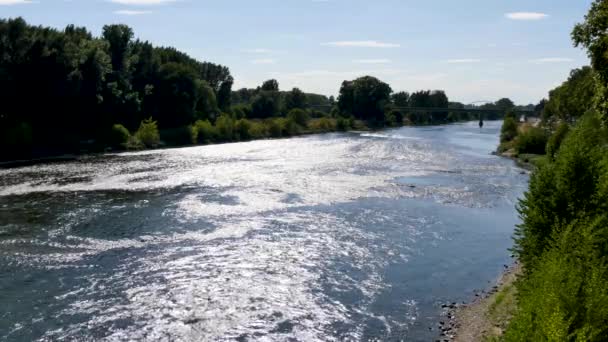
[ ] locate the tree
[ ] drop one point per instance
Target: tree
(505, 104)
(401, 99)
(224, 94)
(592, 34)
(295, 99)
(365, 98)
(270, 85)
(265, 105)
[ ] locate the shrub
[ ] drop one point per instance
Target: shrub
(393, 118)
(203, 132)
(275, 127)
(242, 129)
(322, 125)
(343, 124)
(148, 133)
(257, 130)
(299, 116)
(225, 128)
(509, 130)
(119, 136)
(555, 141)
(178, 136)
(290, 127)
(532, 140)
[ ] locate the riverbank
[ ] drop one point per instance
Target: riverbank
(487, 316)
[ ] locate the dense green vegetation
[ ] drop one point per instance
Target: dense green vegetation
(68, 92)
(563, 240)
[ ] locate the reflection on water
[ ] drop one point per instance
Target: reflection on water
(331, 237)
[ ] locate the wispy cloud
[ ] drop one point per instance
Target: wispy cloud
(264, 61)
(141, 2)
(131, 12)
(15, 2)
(526, 16)
(362, 44)
(551, 60)
(463, 61)
(372, 61)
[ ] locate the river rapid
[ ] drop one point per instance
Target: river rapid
(336, 237)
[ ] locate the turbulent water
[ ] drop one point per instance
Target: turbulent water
(339, 237)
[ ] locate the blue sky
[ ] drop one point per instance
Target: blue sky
(474, 49)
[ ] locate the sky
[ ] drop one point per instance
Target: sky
(475, 50)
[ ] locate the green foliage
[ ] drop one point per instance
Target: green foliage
(148, 133)
(203, 132)
(265, 105)
(364, 98)
(563, 241)
(393, 118)
(322, 125)
(299, 116)
(566, 297)
(561, 190)
(573, 98)
(178, 136)
(592, 34)
(343, 124)
(243, 129)
(508, 131)
(225, 128)
(295, 99)
(275, 127)
(532, 140)
(401, 99)
(89, 83)
(556, 139)
(257, 130)
(119, 136)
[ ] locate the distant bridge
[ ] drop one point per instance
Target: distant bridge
(453, 110)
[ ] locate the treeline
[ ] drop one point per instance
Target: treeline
(563, 240)
(69, 92)
(62, 90)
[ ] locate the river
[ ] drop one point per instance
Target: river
(335, 237)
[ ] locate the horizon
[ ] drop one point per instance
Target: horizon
(510, 50)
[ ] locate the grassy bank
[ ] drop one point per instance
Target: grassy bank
(487, 318)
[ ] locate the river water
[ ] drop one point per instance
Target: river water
(337, 237)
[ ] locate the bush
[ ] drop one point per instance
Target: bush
(555, 141)
(290, 127)
(509, 130)
(148, 133)
(393, 118)
(275, 127)
(257, 130)
(299, 116)
(178, 136)
(532, 140)
(563, 243)
(203, 132)
(243, 129)
(225, 128)
(343, 124)
(322, 125)
(119, 136)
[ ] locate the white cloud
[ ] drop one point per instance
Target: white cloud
(131, 12)
(526, 16)
(14, 2)
(372, 61)
(141, 2)
(551, 60)
(463, 61)
(362, 43)
(264, 61)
